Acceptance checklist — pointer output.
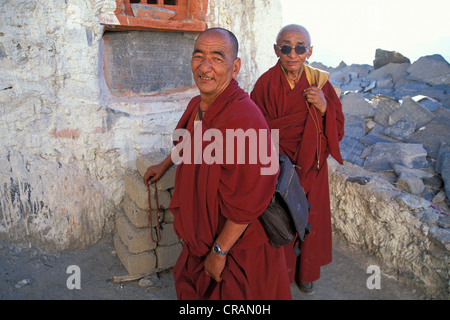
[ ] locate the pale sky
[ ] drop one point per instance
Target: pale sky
(351, 30)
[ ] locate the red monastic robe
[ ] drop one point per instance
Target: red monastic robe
(206, 195)
(285, 109)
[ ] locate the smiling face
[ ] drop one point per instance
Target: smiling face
(293, 36)
(213, 64)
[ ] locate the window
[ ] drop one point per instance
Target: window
(153, 9)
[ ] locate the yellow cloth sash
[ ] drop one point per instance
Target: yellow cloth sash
(316, 76)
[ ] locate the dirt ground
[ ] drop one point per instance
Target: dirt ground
(30, 273)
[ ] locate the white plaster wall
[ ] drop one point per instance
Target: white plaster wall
(53, 176)
(256, 24)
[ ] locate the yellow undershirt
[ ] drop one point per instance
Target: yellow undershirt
(291, 82)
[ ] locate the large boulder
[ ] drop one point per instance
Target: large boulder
(356, 104)
(413, 111)
(395, 71)
(433, 70)
(384, 57)
(384, 155)
(351, 148)
(384, 108)
(432, 135)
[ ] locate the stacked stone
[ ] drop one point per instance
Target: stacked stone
(397, 120)
(137, 250)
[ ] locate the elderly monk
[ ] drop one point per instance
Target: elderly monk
(300, 101)
(226, 253)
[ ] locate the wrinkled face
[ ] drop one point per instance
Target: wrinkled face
(213, 64)
(293, 62)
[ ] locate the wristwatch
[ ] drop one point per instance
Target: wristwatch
(217, 250)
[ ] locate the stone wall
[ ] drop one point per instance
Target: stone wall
(139, 251)
(398, 229)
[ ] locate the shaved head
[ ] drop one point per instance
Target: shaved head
(233, 42)
(289, 37)
(214, 63)
(295, 28)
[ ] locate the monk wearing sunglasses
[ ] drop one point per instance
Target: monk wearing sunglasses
(300, 101)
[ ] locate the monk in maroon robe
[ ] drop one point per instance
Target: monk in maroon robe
(216, 203)
(300, 102)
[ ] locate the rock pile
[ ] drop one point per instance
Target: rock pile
(134, 242)
(391, 196)
(398, 120)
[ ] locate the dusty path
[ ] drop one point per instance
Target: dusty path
(29, 273)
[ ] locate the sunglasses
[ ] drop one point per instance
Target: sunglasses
(298, 49)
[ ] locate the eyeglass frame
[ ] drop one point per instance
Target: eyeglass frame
(291, 47)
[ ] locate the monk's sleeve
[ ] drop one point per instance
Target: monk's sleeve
(257, 94)
(244, 190)
(244, 193)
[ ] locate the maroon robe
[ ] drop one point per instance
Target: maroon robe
(206, 195)
(286, 109)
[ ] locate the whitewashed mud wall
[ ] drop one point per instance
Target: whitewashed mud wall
(256, 24)
(65, 143)
(57, 164)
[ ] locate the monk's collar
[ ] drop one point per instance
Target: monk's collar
(292, 83)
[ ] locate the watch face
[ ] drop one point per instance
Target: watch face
(217, 250)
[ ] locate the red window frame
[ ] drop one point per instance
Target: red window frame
(190, 15)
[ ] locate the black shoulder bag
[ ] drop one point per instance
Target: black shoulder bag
(286, 217)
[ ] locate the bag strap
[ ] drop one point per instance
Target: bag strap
(158, 210)
(315, 119)
(297, 246)
(200, 113)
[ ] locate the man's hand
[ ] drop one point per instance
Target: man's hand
(154, 173)
(316, 97)
(214, 265)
